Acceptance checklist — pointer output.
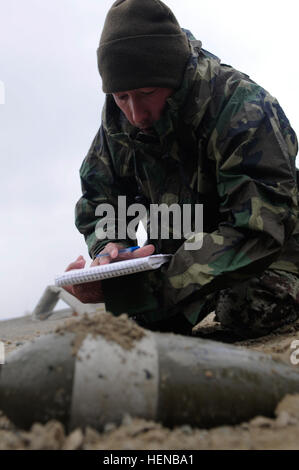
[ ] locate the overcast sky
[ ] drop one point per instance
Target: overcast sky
(52, 111)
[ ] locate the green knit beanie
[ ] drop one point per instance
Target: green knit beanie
(142, 45)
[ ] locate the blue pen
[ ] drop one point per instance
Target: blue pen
(124, 250)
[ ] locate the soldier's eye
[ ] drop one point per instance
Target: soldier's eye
(148, 92)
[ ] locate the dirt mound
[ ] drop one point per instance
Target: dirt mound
(121, 329)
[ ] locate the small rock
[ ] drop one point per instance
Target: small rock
(244, 426)
(289, 404)
(49, 436)
(186, 429)
(127, 420)
(284, 419)
(91, 435)
(74, 440)
(261, 422)
(109, 427)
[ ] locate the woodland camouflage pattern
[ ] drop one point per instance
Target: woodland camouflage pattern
(222, 141)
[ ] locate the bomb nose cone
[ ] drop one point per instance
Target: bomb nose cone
(36, 381)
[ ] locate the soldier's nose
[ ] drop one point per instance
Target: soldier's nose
(140, 114)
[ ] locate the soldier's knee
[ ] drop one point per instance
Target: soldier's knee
(260, 305)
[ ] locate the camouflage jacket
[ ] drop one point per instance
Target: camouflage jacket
(224, 142)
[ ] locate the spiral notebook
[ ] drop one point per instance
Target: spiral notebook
(106, 271)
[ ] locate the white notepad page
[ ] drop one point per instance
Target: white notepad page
(106, 271)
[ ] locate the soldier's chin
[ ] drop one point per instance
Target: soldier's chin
(146, 130)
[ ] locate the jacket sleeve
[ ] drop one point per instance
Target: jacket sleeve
(254, 149)
(99, 186)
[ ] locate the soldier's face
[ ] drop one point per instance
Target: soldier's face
(143, 106)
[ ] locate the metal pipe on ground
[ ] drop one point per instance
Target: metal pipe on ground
(169, 378)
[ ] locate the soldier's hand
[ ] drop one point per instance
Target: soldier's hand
(91, 292)
(88, 292)
(112, 250)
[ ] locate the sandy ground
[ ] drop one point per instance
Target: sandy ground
(281, 432)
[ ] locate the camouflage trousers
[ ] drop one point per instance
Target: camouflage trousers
(259, 305)
(250, 309)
